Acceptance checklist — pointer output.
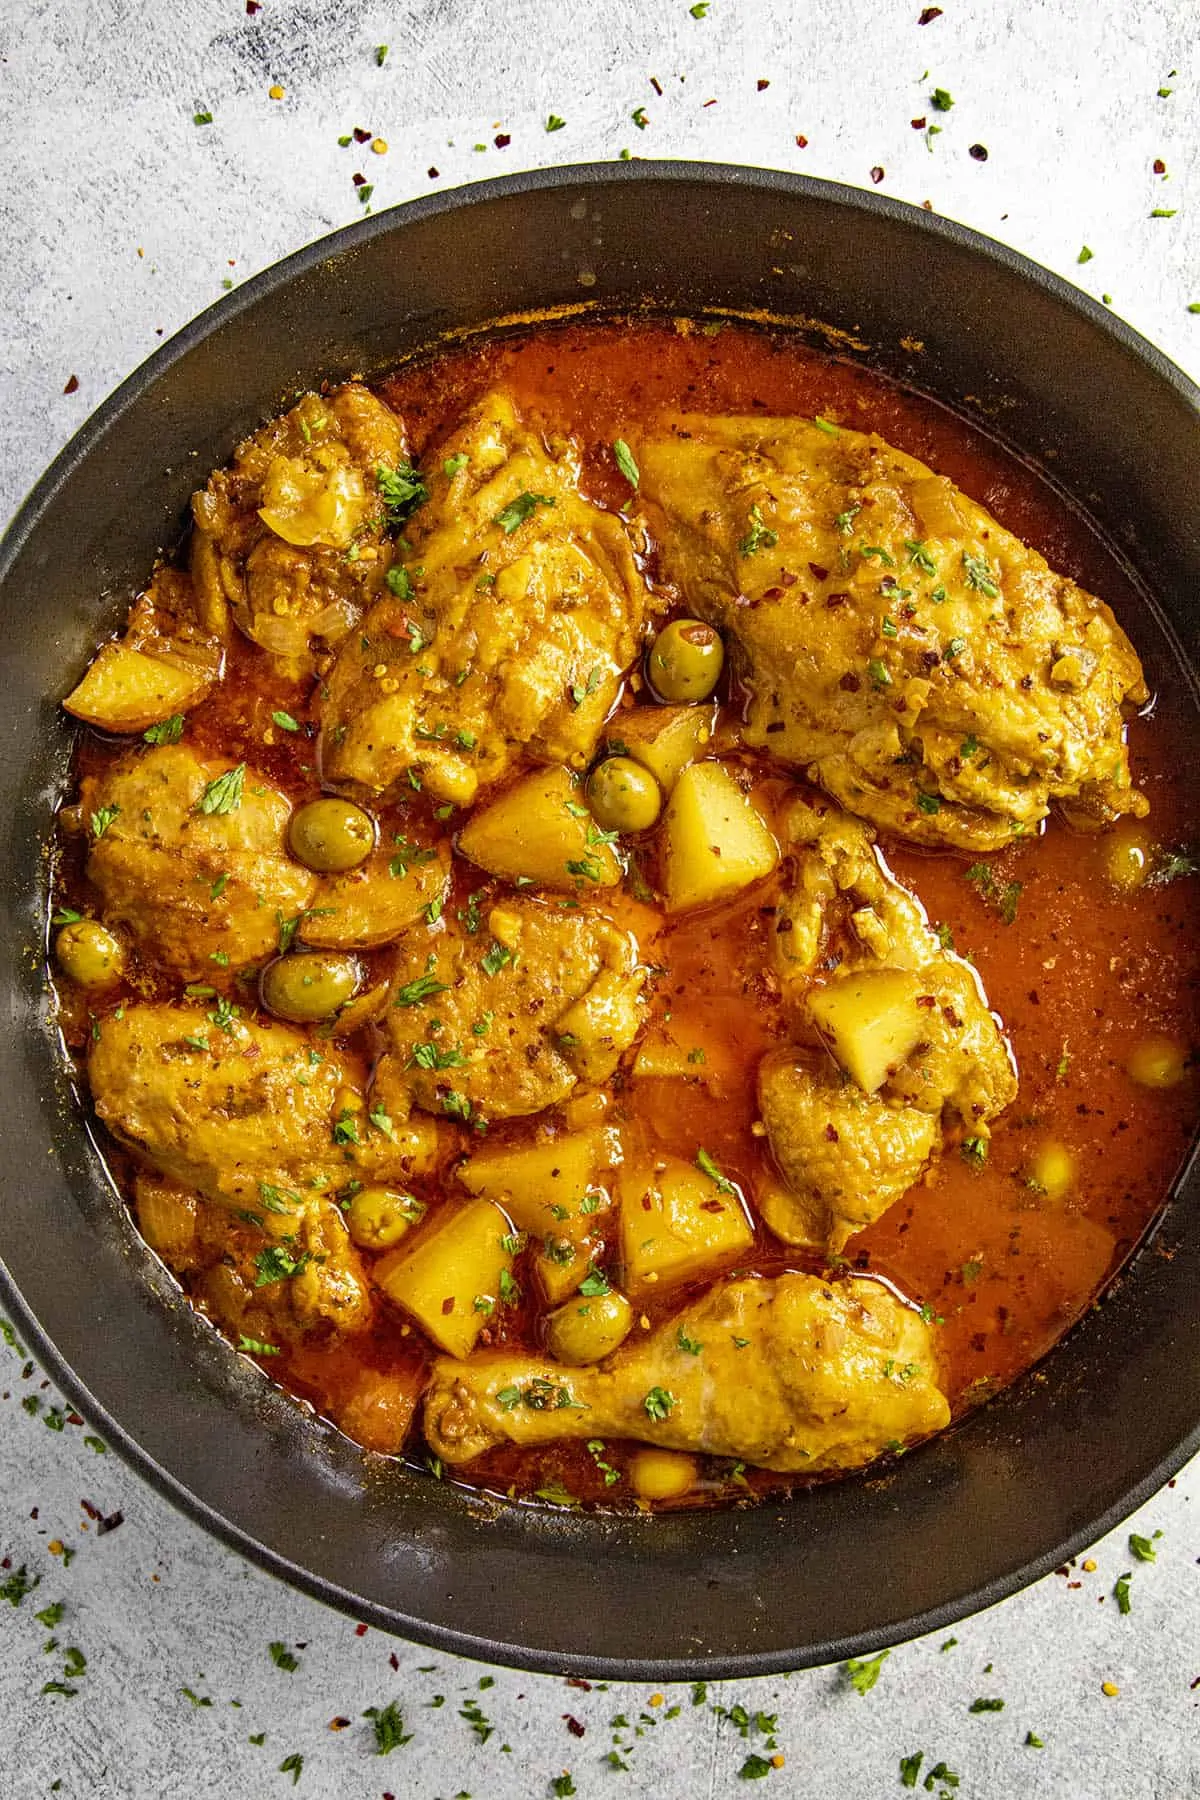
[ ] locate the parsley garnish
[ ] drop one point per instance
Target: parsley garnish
(686, 1343)
(224, 793)
(626, 462)
(919, 556)
(388, 1727)
(985, 1706)
(581, 691)
(941, 100)
(255, 1347)
(554, 123)
(453, 464)
(974, 1150)
(707, 1166)
(518, 510)
(292, 1765)
(169, 731)
(401, 489)
(979, 575)
(1142, 1547)
(495, 959)
(102, 819)
(416, 993)
(863, 1674)
(658, 1403)
(282, 1657)
(595, 1284)
(878, 673)
(276, 1264)
(758, 535)
(1120, 1595)
(285, 721)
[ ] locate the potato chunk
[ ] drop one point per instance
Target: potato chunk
(664, 739)
(539, 830)
(548, 1190)
(871, 1022)
(676, 1224)
(457, 1261)
(125, 691)
(540, 1184)
(716, 842)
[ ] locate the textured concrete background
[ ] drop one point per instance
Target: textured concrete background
(120, 219)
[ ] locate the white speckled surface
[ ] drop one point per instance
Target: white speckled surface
(120, 219)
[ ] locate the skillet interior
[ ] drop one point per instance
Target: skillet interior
(960, 1523)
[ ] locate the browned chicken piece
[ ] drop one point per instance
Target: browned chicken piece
(791, 1374)
(517, 609)
(927, 668)
(506, 1021)
(292, 536)
(196, 870)
(247, 1112)
(913, 1049)
(373, 904)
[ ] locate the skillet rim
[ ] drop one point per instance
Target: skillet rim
(84, 444)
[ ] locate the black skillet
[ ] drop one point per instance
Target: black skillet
(971, 1517)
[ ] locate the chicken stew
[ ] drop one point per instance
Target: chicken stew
(632, 943)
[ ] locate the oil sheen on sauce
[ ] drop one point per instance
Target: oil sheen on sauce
(1077, 971)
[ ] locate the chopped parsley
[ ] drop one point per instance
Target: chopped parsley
(974, 1150)
(581, 691)
(1121, 1595)
(224, 793)
(979, 575)
(276, 1264)
(495, 959)
(417, 992)
(864, 1673)
(285, 721)
(877, 670)
(388, 1726)
(554, 123)
(595, 1284)
(940, 100)
(707, 1166)
(401, 489)
(687, 1344)
(169, 731)
(453, 464)
(758, 536)
(518, 510)
(1143, 1547)
(658, 1403)
(986, 1706)
(399, 582)
(626, 462)
(282, 1657)
(1002, 897)
(919, 556)
(102, 819)
(255, 1347)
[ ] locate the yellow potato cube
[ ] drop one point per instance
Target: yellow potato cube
(539, 830)
(542, 1186)
(1052, 1170)
(870, 1020)
(716, 842)
(664, 739)
(453, 1264)
(678, 1223)
(126, 691)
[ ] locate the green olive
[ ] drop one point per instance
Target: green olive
(585, 1331)
(308, 985)
(378, 1217)
(623, 796)
(331, 835)
(685, 660)
(88, 954)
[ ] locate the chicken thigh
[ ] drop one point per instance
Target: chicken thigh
(510, 620)
(926, 667)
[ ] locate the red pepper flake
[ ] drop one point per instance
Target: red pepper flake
(359, 180)
(252, 7)
(360, 136)
(433, 174)
(654, 83)
(360, 1630)
(979, 152)
(877, 174)
(93, 1512)
(72, 384)
(338, 1724)
(929, 15)
(110, 1523)
(73, 1418)
(801, 141)
(394, 1661)
(1160, 167)
(502, 140)
(831, 1134)
(448, 1305)
(917, 124)
(818, 571)
(575, 1726)
(577, 1681)
(762, 84)
(708, 103)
